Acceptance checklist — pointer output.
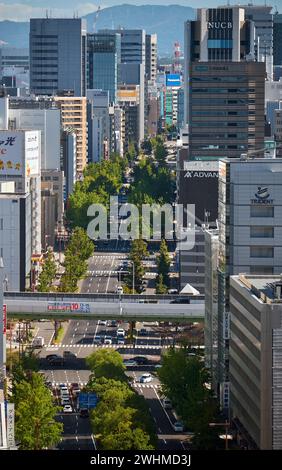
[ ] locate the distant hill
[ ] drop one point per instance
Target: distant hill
(166, 21)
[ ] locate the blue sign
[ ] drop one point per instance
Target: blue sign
(173, 79)
(87, 400)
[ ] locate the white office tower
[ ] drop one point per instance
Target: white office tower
(250, 232)
(43, 115)
(20, 204)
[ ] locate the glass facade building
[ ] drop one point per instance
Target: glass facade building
(103, 65)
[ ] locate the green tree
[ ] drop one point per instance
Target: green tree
(163, 263)
(160, 154)
(106, 363)
(183, 379)
(35, 425)
(48, 273)
(146, 146)
(80, 244)
(139, 249)
(161, 288)
(127, 439)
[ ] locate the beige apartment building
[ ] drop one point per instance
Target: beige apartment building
(74, 116)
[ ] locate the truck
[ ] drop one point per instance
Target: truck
(38, 342)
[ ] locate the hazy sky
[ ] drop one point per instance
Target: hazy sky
(22, 10)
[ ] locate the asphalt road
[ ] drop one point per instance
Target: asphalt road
(77, 434)
(79, 338)
(102, 274)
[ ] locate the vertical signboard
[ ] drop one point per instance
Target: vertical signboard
(10, 425)
(226, 325)
(224, 395)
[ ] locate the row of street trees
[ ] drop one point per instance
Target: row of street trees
(100, 181)
(35, 411)
(183, 379)
(121, 420)
(79, 249)
(136, 269)
(163, 264)
(47, 274)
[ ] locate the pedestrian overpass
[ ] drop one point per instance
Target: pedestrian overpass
(62, 306)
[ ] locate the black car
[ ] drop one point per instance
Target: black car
(50, 357)
(84, 413)
(57, 361)
(141, 360)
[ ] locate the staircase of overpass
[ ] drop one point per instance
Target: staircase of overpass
(30, 305)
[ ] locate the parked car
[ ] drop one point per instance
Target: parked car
(146, 378)
(178, 426)
(102, 322)
(67, 409)
(112, 323)
(167, 404)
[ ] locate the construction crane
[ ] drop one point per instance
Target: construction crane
(96, 18)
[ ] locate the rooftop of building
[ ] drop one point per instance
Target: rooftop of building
(267, 288)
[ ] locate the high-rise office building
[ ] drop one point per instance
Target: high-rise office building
(57, 55)
(14, 62)
(41, 114)
(151, 57)
(133, 44)
(98, 125)
(262, 18)
(103, 62)
(74, 116)
(250, 233)
(224, 92)
(277, 39)
(255, 359)
(20, 204)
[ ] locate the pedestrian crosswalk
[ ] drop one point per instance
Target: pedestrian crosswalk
(102, 273)
(114, 346)
(137, 385)
(83, 384)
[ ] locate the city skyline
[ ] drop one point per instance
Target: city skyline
(23, 10)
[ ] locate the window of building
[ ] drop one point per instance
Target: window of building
(261, 251)
(1, 224)
(261, 270)
(262, 211)
(258, 231)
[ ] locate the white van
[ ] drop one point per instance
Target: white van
(120, 290)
